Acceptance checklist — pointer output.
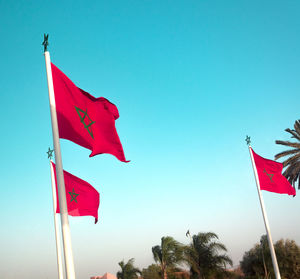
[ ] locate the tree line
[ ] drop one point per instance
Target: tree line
(205, 257)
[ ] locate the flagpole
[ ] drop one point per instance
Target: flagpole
(56, 225)
(66, 235)
(273, 255)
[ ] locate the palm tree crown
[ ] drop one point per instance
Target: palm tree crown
(168, 254)
(292, 163)
(203, 255)
(128, 271)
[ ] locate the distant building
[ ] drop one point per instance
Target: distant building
(105, 276)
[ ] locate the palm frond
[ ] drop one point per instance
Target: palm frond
(223, 260)
(288, 143)
(296, 170)
(293, 133)
(285, 153)
(292, 160)
(121, 264)
(216, 246)
(297, 126)
(157, 255)
(203, 238)
(292, 175)
(128, 270)
(203, 255)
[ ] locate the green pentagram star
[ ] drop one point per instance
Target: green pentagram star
(248, 140)
(50, 153)
(270, 175)
(73, 195)
(45, 42)
(86, 126)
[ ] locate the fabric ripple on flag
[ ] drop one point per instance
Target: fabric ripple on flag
(270, 176)
(82, 198)
(84, 119)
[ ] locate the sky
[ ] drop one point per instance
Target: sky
(190, 79)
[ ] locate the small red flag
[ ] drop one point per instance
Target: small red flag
(84, 119)
(82, 198)
(270, 177)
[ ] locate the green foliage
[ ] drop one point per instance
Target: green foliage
(288, 257)
(227, 275)
(178, 275)
(153, 271)
(128, 271)
(257, 262)
(168, 254)
(204, 258)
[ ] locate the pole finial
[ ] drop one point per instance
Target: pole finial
(50, 153)
(45, 42)
(188, 234)
(248, 141)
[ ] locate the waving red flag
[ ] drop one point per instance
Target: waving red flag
(270, 177)
(82, 198)
(84, 119)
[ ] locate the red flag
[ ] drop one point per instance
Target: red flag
(84, 119)
(82, 198)
(270, 177)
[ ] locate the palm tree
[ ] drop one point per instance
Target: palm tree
(292, 163)
(128, 271)
(203, 256)
(168, 254)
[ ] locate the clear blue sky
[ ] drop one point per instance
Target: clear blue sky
(191, 79)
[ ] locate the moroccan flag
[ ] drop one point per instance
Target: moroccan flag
(84, 119)
(270, 177)
(82, 198)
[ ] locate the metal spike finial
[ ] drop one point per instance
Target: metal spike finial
(188, 234)
(45, 42)
(50, 153)
(248, 140)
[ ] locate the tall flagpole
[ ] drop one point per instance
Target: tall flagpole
(56, 222)
(273, 255)
(68, 255)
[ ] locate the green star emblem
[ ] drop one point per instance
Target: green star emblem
(73, 195)
(270, 175)
(45, 42)
(86, 117)
(248, 141)
(50, 153)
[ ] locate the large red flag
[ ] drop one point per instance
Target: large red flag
(82, 198)
(270, 177)
(84, 119)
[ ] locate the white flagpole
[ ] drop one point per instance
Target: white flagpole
(68, 255)
(273, 255)
(56, 226)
